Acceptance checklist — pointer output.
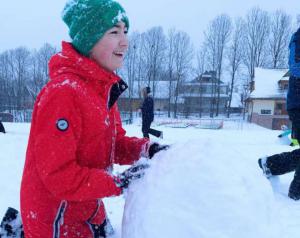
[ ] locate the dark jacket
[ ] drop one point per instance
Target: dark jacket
(2, 128)
(293, 96)
(147, 109)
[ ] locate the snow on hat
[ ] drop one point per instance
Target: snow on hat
(88, 20)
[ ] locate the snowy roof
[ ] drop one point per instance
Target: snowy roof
(236, 100)
(266, 83)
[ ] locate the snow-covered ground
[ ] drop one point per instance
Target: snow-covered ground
(207, 185)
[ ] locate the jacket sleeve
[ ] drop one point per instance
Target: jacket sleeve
(294, 56)
(297, 48)
(128, 149)
(56, 152)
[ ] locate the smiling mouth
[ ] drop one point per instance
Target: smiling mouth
(119, 54)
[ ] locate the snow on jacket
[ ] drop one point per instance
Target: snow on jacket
(75, 138)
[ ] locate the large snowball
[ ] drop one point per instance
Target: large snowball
(200, 190)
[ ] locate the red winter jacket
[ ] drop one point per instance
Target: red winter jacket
(74, 140)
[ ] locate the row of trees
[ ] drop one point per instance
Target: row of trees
(233, 48)
(152, 56)
(22, 75)
(229, 47)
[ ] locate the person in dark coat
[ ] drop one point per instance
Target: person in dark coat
(282, 163)
(148, 114)
(2, 129)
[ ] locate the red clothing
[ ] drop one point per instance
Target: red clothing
(67, 165)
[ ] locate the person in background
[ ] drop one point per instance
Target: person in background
(76, 133)
(2, 129)
(147, 109)
(282, 163)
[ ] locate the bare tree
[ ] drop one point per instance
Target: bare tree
(200, 69)
(22, 74)
(216, 39)
(170, 55)
(18, 61)
(141, 67)
(154, 52)
(201, 60)
(5, 82)
(255, 51)
(131, 67)
(234, 56)
(182, 62)
(21, 63)
(256, 36)
(136, 59)
(44, 55)
(39, 68)
(280, 32)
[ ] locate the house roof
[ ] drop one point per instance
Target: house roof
(208, 77)
(236, 101)
(266, 83)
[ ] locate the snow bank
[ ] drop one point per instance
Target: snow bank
(200, 189)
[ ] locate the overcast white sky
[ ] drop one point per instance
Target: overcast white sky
(31, 23)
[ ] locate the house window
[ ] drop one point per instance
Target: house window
(278, 109)
(265, 112)
(279, 106)
(283, 85)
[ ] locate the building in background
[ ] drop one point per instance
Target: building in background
(201, 94)
(267, 100)
(198, 96)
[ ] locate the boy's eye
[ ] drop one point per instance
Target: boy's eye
(126, 31)
(114, 32)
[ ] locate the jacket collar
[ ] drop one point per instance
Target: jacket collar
(69, 61)
(116, 90)
(105, 83)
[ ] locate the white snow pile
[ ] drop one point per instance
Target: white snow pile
(198, 189)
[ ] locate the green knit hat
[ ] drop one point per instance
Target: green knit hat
(88, 20)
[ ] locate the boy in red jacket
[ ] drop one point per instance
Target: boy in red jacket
(76, 133)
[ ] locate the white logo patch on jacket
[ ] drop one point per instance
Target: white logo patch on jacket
(62, 124)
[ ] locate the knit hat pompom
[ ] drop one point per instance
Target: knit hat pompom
(88, 20)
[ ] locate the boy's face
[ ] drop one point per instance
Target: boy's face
(110, 50)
